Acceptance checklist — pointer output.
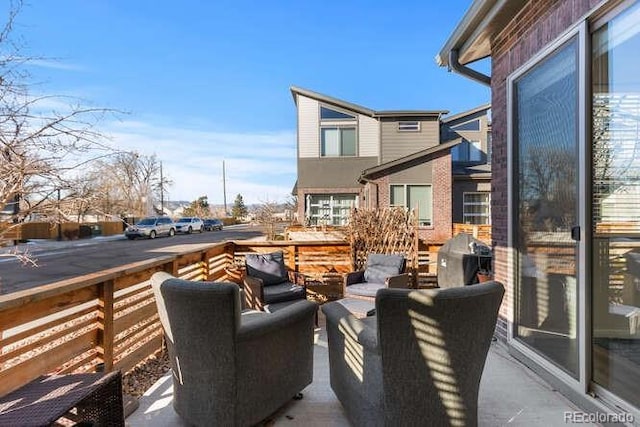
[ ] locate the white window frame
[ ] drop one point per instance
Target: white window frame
(331, 203)
(340, 146)
(353, 117)
(425, 222)
(409, 126)
(487, 203)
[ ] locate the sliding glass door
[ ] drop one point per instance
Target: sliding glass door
(616, 205)
(545, 204)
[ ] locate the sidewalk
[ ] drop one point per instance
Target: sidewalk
(36, 246)
(40, 245)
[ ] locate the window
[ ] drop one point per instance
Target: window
(472, 125)
(337, 141)
(329, 114)
(467, 151)
(409, 126)
(476, 208)
(330, 209)
(418, 197)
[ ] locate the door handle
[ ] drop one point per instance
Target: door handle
(575, 233)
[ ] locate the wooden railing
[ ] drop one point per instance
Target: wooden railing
(109, 320)
(479, 231)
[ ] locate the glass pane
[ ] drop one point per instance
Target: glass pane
(476, 198)
(419, 198)
(330, 142)
(397, 195)
(329, 114)
(545, 188)
(473, 125)
(348, 141)
(456, 153)
(616, 197)
(475, 151)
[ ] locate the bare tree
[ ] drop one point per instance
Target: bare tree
(291, 205)
(127, 184)
(266, 216)
(41, 150)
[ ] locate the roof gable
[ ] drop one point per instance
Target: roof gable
(407, 162)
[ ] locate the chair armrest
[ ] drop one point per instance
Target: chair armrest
(354, 277)
(338, 317)
(270, 323)
(253, 292)
(400, 281)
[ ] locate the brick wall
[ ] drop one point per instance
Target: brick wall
(442, 198)
(539, 23)
(384, 195)
(442, 201)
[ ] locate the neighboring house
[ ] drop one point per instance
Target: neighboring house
(471, 164)
(565, 178)
(352, 156)
(173, 209)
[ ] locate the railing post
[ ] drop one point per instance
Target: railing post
(292, 258)
(204, 265)
(172, 267)
(105, 321)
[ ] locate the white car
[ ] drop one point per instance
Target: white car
(151, 227)
(189, 224)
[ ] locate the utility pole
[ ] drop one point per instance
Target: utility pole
(58, 217)
(224, 189)
(161, 190)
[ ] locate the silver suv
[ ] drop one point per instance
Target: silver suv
(151, 227)
(189, 224)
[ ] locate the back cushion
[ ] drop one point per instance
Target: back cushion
(381, 266)
(268, 267)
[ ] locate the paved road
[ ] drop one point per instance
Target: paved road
(62, 260)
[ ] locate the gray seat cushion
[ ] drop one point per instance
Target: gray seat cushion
(283, 292)
(267, 267)
(364, 289)
(381, 266)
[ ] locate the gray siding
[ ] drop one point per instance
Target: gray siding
(332, 172)
(397, 144)
(421, 174)
(479, 135)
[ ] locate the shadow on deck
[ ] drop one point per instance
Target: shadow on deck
(510, 394)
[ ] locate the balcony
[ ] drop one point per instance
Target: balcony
(108, 320)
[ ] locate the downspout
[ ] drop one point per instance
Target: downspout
(456, 66)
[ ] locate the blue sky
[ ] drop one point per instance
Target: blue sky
(207, 81)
